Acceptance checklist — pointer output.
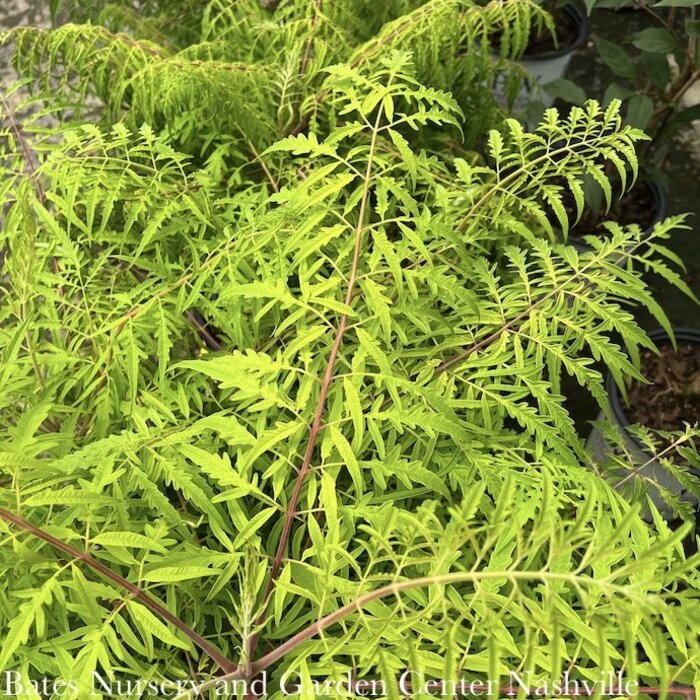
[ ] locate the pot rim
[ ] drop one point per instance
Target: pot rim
(660, 208)
(658, 335)
(580, 21)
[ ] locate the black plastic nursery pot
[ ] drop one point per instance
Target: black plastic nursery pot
(551, 64)
(577, 20)
(658, 202)
(652, 470)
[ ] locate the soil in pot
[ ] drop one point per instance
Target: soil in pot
(669, 398)
(638, 206)
(673, 397)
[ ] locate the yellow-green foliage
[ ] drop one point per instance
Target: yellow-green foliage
(376, 433)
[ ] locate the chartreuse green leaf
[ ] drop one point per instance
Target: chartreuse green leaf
(31, 614)
(348, 457)
(169, 574)
(149, 624)
(128, 539)
(285, 328)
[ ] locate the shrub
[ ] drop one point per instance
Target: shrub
(370, 468)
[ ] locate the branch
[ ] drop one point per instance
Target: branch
(29, 161)
(192, 315)
(395, 589)
(327, 380)
(25, 150)
(448, 364)
(377, 46)
(318, 6)
(355, 62)
(226, 665)
(654, 458)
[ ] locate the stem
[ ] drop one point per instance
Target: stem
(327, 379)
(29, 162)
(671, 448)
(304, 121)
(660, 118)
(318, 6)
(192, 316)
(493, 337)
(211, 342)
(393, 589)
(669, 25)
(499, 185)
(506, 326)
(25, 150)
(268, 174)
(226, 665)
(412, 20)
(33, 174)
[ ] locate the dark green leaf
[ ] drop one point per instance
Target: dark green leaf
(639, 111)
(615, 91)
(692, 27)
(687, 115)
(613, 4)
(657, 68)
(565, 90)
(681, 119)
(676, 3)
(655, 40)
(615, 57)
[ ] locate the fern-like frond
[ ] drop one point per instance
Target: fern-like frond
(372, 469)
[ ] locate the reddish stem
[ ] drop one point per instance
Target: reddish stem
(535, 304)
(394, 589)
(32, 171)
(25, 150)
(190, 315)
(321, 405)
(226, 665)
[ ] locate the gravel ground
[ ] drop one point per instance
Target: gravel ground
(15, 13)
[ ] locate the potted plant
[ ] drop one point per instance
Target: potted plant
(653, 76)
(376, 473)
(665, 401)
